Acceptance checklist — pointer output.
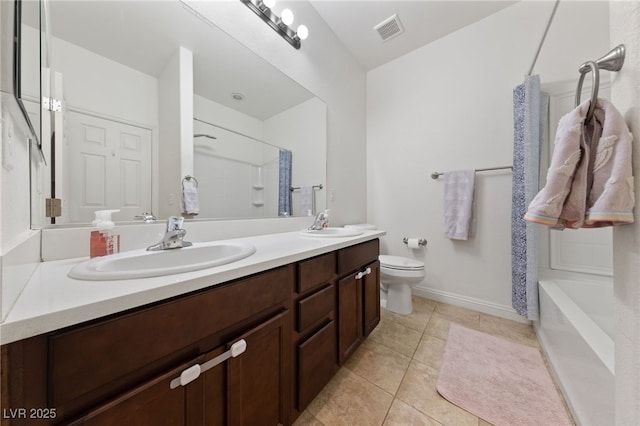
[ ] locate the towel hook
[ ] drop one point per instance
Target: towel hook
(595, 82)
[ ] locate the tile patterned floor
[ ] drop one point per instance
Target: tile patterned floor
(391, 378)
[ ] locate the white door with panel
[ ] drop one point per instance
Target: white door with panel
(108, 166)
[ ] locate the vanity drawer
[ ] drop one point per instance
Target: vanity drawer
(354, 257)
(103, 358)
(317, 363)
(313, 308)
(316, 271)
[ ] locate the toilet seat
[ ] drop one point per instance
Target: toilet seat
(400, 263)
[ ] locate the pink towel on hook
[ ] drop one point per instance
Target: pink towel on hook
(590, 181)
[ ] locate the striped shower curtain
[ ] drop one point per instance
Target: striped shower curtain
(284, 183)
(530, 111)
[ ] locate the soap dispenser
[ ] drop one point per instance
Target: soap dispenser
(104, 240)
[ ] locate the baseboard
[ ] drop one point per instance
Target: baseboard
(483, 306)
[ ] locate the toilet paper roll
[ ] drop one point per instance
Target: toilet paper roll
(413, 243)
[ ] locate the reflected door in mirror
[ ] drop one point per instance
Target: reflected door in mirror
(109, 167)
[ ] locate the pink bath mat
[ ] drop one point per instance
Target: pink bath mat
(502, 382)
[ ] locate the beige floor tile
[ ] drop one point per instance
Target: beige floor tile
(459, 315)
(417, 319)
(402, 414)
(350, 400)
(513, 330)
(423, 304)
(418, 389)
(307, 419)
(380, 365)
(438, 326)
(483, 423)
(396, 337)
(430, 351)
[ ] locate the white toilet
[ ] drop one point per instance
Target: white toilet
(397, 276)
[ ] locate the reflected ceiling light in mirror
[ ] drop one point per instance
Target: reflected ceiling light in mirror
(263, 8)
(303, 32)
(287, 16)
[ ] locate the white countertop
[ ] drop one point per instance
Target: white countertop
(51, 300)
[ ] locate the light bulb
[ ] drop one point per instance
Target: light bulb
(269, 3)
(287, 16)
(303, 32)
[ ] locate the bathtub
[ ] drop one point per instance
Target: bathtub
(576, 331)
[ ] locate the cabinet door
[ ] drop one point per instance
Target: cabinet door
(349, 315)
(257, 381)
(207, 397)
(152, 403)
(371, 298)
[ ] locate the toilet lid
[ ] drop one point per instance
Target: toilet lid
(398, 262)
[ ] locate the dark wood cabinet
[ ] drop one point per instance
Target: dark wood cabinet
(257, 380)
(316, 363)
(299, 323)
(350, 316)
(358, 296)
(247, 389)
(315, 334)
(371, 298)
(151, 403)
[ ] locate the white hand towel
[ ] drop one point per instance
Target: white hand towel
(307, 201)
(190, 204)
(458, 204)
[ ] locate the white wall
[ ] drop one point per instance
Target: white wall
(625, 94)
(218, 114)
(324, 67)
(175, 153)
(448, 106)
(96, 84)
(19, 246)
(303, 130)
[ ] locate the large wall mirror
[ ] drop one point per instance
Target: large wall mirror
(152, 93)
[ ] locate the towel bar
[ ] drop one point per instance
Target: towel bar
(293, 188)
(436, 175)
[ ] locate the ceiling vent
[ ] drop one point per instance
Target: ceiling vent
(389, 28)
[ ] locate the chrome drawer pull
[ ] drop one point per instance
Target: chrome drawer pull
(193, 372)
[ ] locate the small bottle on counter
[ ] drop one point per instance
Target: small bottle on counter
(103, 239)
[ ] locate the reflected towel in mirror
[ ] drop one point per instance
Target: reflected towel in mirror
(190, 204)
(307, 201)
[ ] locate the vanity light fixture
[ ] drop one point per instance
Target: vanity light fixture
(262, 8)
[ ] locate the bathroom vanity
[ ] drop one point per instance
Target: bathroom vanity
(252, 350)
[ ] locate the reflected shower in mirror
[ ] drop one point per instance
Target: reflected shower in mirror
(121, 124)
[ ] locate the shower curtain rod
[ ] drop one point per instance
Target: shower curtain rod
(546, 30)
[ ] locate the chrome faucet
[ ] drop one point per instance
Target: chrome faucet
(322, 221)
(173, 237)
(146, 217)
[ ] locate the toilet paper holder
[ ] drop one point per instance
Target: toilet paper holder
(421, 241)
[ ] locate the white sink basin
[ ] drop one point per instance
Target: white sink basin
(332, 232)
(143, 264)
